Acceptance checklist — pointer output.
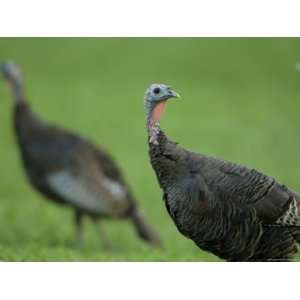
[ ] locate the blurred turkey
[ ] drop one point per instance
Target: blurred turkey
(68, 169)
(234, 212)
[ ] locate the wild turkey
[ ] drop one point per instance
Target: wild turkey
(68, 169)
(234, 212)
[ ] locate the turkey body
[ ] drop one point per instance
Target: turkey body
(69, 169)
(234, 212)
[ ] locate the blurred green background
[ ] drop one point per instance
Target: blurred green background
(240, 102)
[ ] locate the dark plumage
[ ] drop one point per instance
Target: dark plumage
(238, 214)
(68, 169)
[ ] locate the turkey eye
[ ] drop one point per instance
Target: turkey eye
(156, 90)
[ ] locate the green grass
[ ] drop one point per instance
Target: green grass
(240, 101)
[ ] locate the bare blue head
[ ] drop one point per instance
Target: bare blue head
(155, 100)
(12, 74)
(158, 92)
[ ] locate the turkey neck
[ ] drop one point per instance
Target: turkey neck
(16, 86)
(166, 160)
(26, 123)
(163, 152)
(153, 114)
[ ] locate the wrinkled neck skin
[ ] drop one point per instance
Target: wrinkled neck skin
(153, 131)
(152, 122)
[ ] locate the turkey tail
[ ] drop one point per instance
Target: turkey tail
(143, 229)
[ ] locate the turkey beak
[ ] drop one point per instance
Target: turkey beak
(173, 94)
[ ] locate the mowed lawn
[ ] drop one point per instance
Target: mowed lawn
(240, 102)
